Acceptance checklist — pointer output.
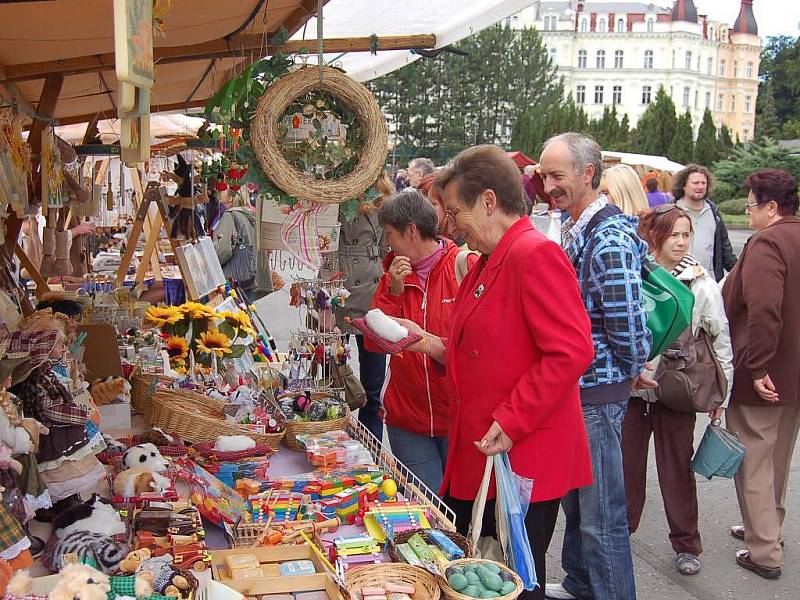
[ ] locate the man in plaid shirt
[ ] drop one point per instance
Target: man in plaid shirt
(596, 553)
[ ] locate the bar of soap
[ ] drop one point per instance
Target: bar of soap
(315, 595)
(241, 561)
(399, 588)
(297, 567)
(373, 591)
(251, 573)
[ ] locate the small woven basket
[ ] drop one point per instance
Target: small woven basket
(295, 428)
(376, 575)
(450, 594)
(144, 387)
(206, 450)
(402, 537)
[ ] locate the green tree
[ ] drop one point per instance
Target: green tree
(767, 124)
(725, 142)
(706, 150)
(764, 153)
(780, 69)
(535, 126)
(656, 127)
(439, 106)
(791, 130)
(682, 147)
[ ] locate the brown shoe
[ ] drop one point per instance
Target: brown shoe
(743, 560)
(737, 531)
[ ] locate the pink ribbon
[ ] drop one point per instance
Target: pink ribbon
(300, 234)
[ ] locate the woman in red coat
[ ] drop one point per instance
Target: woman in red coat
(519, 341)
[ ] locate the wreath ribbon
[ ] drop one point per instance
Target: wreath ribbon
(300, 234)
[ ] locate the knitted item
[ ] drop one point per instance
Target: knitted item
(48, 251)
(63, 264)
(384, 345)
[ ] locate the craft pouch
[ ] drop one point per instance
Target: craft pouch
(384, 345)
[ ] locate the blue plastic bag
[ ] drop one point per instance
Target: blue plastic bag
(513, 498)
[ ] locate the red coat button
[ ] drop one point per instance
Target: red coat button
(474, 354)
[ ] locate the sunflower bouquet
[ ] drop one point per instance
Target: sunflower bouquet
(195, 333)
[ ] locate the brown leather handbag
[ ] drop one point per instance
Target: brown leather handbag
(689, 376)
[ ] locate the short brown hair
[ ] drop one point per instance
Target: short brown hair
(681, 177)
(655, 227)
(481, 168)
(777, 185)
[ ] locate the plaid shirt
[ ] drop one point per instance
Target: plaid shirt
(609, 274)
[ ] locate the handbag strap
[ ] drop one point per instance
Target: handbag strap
(478, 507)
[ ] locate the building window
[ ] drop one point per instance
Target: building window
(616, 95)
(747, 103)
(620, 25)
(648, 59)
(553, 55)
(720, 102)
(708, 99)
(699, 62)
(710, 67)
(673, 59)
(581, 59)
(696, 99)
(688, 60)
(746, 134)
(600, 63)
(619, 59)
(584, 25)
(647, 94)
(711, 33)
(598, 94)
(580, 94)
(601, 25)
(722, 67)
(735, 69)
(650, 25)
(686, 92)
(750, 70)
(733, 102)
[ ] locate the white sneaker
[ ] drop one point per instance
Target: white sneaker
(557, 592)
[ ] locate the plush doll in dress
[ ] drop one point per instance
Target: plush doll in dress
(83, 582)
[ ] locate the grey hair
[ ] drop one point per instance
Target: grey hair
(584, 151)
(407, 207)
(423, 164)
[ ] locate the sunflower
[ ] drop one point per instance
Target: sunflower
(195, 310)
(177, 348)
(239, 320)
(214, 341)
(163, 315)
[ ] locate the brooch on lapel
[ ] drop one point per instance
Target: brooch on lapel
(479, 290)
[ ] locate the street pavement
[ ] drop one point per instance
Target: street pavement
(654, 560)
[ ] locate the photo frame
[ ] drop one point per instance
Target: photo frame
(133, 42)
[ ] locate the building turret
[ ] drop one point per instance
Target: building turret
(684, 10)
(746, 21)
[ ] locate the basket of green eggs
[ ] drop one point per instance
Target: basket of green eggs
(470, 578)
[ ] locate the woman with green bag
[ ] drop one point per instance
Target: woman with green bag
(668, 231)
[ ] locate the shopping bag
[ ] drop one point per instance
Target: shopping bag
(720, 453)
(487, 547)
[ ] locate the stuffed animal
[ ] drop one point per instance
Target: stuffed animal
(111, 390)
(157, 437)
(134, 482)
(234, 443)
(167, 579)
(95, 514)
(106, 552)
(145, 456)
(6, 462)
(385, 327)
(77, 582)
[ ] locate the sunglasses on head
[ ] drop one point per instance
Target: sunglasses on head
(665, 208)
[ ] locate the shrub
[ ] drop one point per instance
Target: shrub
(734, 206)
(723, 191)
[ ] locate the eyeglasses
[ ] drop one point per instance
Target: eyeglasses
(750, 205)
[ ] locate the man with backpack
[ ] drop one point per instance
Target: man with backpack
(607, 254)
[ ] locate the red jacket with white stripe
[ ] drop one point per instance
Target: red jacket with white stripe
(416, 397)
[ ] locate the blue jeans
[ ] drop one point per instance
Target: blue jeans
(372, 373)
(424, 456)
(597, 553)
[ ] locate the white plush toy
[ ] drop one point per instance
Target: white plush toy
(145, 456)
(234, 443)
(135, 482)
(385, 327)
(95, 515)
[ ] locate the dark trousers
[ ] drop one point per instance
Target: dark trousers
(540, 522)
(372, 373)
(673, 433)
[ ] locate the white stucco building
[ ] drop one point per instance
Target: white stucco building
(619, 53)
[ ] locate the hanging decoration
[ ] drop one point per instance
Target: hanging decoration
(53, 193)
(15, 163)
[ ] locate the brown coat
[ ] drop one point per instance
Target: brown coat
(760, 297)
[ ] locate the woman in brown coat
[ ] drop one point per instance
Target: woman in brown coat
(764, 318)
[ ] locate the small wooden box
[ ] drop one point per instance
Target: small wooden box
(272, 582)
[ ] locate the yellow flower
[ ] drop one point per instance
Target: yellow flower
(177, 348)
(163, 315)
(180, 370)
(195, 310)
(214, 341)
(239, 320)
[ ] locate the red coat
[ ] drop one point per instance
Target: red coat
(519, 342)
(416, 395)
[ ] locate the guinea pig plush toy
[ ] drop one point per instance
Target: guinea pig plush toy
(134, 482)
(145, 456)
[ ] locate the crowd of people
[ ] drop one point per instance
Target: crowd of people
(544, 351)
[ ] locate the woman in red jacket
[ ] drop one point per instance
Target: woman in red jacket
(518, 343)
(419, 283)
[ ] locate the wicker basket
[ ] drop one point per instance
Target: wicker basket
(197, 418)
(450, 594)
(246, 534)
(295, 428)
(144, 387)
(206, 450)
(377, 575)
(402, 537)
